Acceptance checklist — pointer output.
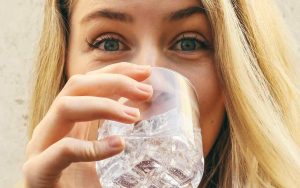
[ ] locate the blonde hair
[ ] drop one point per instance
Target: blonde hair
(259, 145)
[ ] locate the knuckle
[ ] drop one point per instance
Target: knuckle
(66, 146)
(27, 168)
(125, 80)
(106, 102)
(119, 65)
(80, 151)
(124, 65)
(62, 104)
(91, 151)
(117, 82)
(29, 148)
(74, 80)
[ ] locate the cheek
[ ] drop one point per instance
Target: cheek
(211, 104)
(76, 60)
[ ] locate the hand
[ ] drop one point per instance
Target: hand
(84, 98)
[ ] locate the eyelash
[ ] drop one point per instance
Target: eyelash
(103, 38)
(95, 45)
(204, 44)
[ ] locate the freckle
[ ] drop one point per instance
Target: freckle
(212, 121)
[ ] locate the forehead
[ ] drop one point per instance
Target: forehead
(137, 8)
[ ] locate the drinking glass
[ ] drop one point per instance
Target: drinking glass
(163, 148)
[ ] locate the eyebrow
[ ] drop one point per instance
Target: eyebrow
(109, 14)
(124, 17)
(187, 12)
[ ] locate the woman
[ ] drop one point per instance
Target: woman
(236, 54)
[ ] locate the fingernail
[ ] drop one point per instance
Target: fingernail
(145, 88)
(133, 112)
(115, 142)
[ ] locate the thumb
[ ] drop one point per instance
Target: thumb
(47, 166)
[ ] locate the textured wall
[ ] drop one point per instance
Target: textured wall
(20, 23)
(20, 26)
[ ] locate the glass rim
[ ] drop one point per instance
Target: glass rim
(182, 76)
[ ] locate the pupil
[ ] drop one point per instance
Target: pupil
(188, 45)
(111, 45)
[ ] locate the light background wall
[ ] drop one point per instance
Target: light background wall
(20, 24)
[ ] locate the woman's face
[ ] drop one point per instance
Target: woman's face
(171, 34)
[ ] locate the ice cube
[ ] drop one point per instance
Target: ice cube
(157, 154)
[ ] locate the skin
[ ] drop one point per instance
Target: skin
(63, 141)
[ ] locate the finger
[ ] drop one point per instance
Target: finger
(51, 162)
(107, 85)
(67, 110)
(134, 71)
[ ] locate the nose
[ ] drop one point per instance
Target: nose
(148, 53)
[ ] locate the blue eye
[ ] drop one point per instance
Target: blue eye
(111, 45)
(108, 43)
(190, 44)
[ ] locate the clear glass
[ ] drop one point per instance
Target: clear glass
(164, 148)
